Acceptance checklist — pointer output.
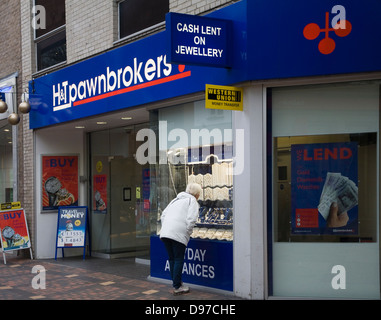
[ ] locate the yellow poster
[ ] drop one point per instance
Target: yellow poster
(223, 97)
(10, 206)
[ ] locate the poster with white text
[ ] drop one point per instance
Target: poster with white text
(324, 188)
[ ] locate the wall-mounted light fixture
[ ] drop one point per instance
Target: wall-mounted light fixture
(14, 118)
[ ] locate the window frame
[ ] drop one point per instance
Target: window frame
(38, 40)
(147, 30)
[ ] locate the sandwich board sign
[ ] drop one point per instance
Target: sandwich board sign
(14, 232)
(72, 224)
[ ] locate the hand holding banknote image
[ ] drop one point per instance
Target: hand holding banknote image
(336, 220)
(339, 195)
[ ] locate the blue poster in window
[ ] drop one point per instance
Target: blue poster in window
(324, 188)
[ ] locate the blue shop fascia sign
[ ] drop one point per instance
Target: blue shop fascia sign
(248, 40)
(132, 75)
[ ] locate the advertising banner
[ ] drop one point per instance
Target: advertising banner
(324, 191)
(59, 181)
(207, 263)
(14, 230)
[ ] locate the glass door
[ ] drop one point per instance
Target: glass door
(119, 208)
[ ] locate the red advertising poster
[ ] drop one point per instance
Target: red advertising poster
(100, 193)
(59, 181)
(14, 230)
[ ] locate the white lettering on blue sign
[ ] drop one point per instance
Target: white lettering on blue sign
(194, 28)
(199, 40)
(195, 264)
(197, 51)
(65, 94)
(71, 214)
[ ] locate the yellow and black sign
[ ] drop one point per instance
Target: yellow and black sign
(223, 97)
(10, 206)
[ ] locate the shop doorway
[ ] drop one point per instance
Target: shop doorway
(119, 214)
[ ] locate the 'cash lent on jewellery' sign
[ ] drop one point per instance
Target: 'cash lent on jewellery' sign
(195, 40)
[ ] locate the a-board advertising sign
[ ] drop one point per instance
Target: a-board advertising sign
(14, 230)
(71, 228)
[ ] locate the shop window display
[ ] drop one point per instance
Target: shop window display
(207, 162)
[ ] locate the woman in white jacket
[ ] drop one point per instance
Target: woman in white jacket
(177, 223)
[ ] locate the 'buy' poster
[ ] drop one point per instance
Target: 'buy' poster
(14, 230)
(59, 181)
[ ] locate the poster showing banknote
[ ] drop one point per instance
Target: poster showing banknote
(324, 188)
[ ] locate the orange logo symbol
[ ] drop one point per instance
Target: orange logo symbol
(327, 45)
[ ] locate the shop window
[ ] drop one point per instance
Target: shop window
(322, 170)
(195, 145)
(324, 197)
(138, 15)
(50, 34)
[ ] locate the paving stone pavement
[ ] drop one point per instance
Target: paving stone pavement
(88, 279)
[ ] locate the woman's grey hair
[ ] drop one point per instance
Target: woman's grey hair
(194, 189)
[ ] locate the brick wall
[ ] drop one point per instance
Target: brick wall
(89, 27)
(26, 161)
(10, 53)
(196, 7)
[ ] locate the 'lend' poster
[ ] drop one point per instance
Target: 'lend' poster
(324, 190)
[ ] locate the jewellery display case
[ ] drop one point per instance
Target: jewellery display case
(215, 216)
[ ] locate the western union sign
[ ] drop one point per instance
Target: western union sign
(223, 97)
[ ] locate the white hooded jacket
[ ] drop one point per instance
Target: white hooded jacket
(179, 218)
